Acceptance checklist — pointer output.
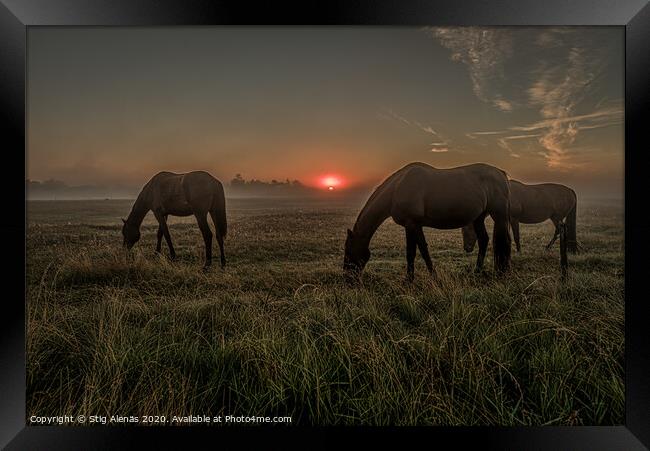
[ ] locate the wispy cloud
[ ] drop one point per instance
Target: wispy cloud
(553, 133)
(440, 146)
(503, 105)
(504, 143)
(556, 92)
(474, 135)
(607, 124)
(520, 137)
(425, 128)
(554, 83)
(484, 51)
(603, 117)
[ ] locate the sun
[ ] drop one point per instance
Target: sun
(330, 182)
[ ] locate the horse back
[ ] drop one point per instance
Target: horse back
(185, 194)
(168, 197)
(493, 182)
(202, 190)
(562, 197)
(543, 201)
(447, 198)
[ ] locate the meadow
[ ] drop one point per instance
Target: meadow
(279, 332)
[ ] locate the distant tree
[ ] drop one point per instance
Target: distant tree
(274, 187)
(238, 181)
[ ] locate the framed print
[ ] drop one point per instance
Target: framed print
(273, 219)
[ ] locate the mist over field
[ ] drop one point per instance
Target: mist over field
(58, 190)
(236, 188)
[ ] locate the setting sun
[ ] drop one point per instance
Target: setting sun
(330, 182)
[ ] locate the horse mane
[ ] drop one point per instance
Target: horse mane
(382, 187)
(141, 203)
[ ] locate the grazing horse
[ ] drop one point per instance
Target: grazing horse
(419, 195)
(195, 193)
(532, 204)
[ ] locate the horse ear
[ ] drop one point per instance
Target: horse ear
(350, 233)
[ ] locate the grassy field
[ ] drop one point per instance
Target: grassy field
(280, 333)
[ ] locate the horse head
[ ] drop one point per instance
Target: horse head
(469, 238)
(356, 256)
(130, 233)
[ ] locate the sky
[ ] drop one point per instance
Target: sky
(113, 106)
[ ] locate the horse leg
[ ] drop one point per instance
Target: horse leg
(483, 239)
(424, 249)
(219, 234)
(411, 243)
(202, 220)
(556, 223)
(159, 237)
(501, 241)
(162, 223)
(515, 233)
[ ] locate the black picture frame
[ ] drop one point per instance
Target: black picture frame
(16, 16)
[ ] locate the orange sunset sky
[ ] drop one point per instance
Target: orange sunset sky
(113, 106)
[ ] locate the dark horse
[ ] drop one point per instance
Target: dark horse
(532, 204)
(419, 195)
(195, 193)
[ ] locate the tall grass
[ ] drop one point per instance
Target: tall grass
(279, 332)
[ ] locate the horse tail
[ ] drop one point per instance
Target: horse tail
(218, 211)
(571, 233)
(501, 242)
